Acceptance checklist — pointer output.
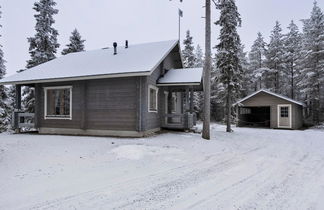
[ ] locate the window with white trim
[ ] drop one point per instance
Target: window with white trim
(58, 102)
(153, 99)
(284, 111)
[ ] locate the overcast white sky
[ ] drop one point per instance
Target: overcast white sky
(101, 22)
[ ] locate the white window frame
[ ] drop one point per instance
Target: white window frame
(45, 103)
(289, 115)
(149, 97)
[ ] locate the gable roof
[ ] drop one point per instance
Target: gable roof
(189, 76)
(137, 60)
(270, 93)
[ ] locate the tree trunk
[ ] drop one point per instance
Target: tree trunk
(207, 70)
(228, 109)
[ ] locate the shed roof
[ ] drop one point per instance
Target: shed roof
(189, 76)
(137, 60)
(270, 93)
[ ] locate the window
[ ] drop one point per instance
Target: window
(174, 103)
(58, 102)
(245, 111)
(284, 111)
(153, 96)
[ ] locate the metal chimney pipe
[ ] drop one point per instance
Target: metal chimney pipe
(126, 44)
(115, 48)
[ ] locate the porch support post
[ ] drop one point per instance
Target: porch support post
(191, 100)
(18, 97)
(187, 99)
(17, 108)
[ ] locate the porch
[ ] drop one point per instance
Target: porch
(178, 100)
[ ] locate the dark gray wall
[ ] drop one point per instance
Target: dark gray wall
(107, 104)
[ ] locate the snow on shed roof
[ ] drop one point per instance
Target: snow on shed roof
(271, 93)
(137, 60)
(189, 76)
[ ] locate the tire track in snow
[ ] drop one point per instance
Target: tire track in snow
(102, 195)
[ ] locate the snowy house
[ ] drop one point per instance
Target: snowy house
(120, 91)
(267, 109)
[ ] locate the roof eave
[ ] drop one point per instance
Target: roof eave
(106, 76)
(180, 84)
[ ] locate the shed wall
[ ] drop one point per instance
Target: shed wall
(264, 99)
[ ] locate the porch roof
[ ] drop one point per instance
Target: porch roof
(182, 77)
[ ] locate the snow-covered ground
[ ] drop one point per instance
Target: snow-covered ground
(247, 169)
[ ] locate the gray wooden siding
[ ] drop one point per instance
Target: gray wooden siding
(264, 99)
(108, 104)
(152, 119)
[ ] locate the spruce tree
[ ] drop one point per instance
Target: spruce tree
(76, 43)
(43, 45)
(292, 42)
(198, 96)
(256, 63)
(275, 60)
(228, 50)
(188, 55)
(4, 114)
(313, 61)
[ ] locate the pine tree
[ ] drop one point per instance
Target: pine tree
(246, 77)
(76, 43)
(188, 51)
(199, 57)
(43, 45)
(4, 114)
(313, 61)
(228, 50)
(275, 60)
(256, 63)
(198, 96)
(292, 42)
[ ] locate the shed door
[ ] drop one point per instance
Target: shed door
(284, 116)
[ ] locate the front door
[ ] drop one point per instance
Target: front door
(284, 116)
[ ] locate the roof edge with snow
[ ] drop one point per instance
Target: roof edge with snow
(270, 93)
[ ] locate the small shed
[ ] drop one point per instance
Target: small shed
(267, 109)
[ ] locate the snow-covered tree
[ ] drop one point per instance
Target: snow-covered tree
(228, 50)
(4, 114)
(76, 43)
(292, 42)
(198, 96)
(246, 77)
(43, 45)
(275, 60)
(199, 57)
(313, 61)
(256, 60)
(188, 53)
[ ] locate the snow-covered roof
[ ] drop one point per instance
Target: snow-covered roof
(189, 76)
(137, 60)
(271, 93)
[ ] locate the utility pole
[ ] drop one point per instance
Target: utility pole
(207, 72)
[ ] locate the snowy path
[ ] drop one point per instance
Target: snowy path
(247, 169)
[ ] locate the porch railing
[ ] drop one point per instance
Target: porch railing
(179, 121)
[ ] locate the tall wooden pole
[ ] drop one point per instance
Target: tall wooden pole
(207, 70)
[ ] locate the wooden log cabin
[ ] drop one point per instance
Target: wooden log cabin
(125, 91)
